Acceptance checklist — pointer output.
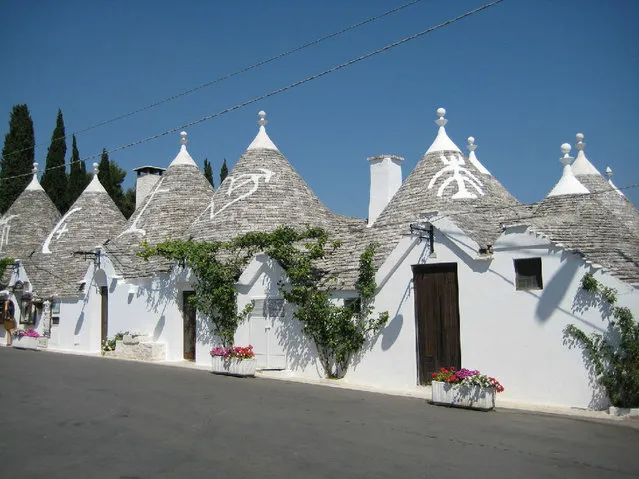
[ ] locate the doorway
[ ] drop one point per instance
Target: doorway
(189, 313)
(437, 318)
(104, 294)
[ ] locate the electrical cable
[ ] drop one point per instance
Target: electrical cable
(224, 77)
(282, 89)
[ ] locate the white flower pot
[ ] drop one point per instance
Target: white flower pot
(233, 366)
(25, 342)
(473, 397)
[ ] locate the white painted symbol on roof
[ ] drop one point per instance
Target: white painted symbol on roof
(4, 232)
(134, 226)
(455, 166)
(238, 182)
(60, 228)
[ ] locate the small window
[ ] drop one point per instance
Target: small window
(528, 274)
(55, 320)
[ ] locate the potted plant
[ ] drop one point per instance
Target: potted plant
(464, 388)
(25, 339)
(234, 361)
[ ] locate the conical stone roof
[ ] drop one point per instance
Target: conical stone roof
(582, 223)
(88, 223)
(446, 182)
(27, 222)
(262, 192)
(604, 192)
(176, 200)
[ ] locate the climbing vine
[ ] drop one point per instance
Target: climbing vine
(338, 330)
(6, 262)
(615, 355)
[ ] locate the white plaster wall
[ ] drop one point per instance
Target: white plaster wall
(79, 327)
(391, 361)
(515, 336)
(149, 306)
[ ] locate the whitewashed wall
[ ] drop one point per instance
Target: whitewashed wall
(149, 306)
(259, 281)
(515, 336)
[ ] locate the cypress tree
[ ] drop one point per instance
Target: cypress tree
(117, 177)
(111, 176)
(54, 179)
(129, 203)
(78, 178)
(224, 171)
(104, 172)
(208, 171)
(17, 156)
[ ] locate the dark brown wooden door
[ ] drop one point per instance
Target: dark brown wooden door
(437, 318)
(188, 313)
(104, 293)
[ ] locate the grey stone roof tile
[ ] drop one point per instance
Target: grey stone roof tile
(90, 221)
(175, 202)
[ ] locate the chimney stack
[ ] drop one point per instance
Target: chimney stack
(386, 178)
(147, 177)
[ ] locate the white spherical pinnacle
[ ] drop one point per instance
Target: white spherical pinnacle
(441, 112)
(580, 136)
(471, 140)
(565, 148)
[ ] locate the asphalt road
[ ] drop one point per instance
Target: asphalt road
(70, 416)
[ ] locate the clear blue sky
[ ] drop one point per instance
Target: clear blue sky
(522, 78)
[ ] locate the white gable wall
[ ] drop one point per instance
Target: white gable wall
(260, 281)
(515, 336)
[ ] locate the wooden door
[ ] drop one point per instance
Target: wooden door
(104, 293)
(437, 318)
(188, 315)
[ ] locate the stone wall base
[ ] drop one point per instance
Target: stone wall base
(138, 349)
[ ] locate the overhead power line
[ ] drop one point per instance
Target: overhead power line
(282, 89)
(224, 77)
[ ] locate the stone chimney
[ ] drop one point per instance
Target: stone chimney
(147, 177)
(386, 178)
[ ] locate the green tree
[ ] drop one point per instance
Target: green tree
(613, 355)
(17, 156)
(104, 172)
(224, 171)
(208, 171)
(112, 176)
(78, 178)
(117, 178)
(54, 179)
(128, 206)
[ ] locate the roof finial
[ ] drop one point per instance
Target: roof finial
(580, 144)
(96, 169)
(609, 172)
(471, 144)
(35, 168)
(441, 121)
(183, 139)
(262, 121)
(566, 159)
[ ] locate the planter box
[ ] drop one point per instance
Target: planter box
(233, 367)
(473, 397)
(25, 342)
